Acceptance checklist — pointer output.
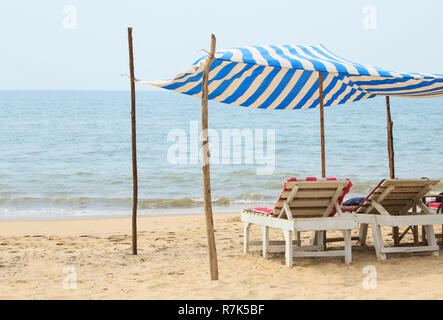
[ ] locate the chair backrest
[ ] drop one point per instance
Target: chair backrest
(397, 196)
(312, 197)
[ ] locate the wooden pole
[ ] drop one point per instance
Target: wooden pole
(134, 146)
(322, 125)
(322, 132)
(213, 264)
(389, 124)
(390, 139)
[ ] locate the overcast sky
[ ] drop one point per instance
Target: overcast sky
(80, 44)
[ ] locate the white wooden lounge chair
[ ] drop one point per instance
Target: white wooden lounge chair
(306, 205)
(394, 203)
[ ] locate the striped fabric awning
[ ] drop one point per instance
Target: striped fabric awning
(287, 77)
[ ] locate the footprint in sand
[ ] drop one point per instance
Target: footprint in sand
(117, 238)
(179, 273)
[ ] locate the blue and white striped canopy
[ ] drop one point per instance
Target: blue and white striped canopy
(287, 77)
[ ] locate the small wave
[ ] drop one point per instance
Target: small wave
(253, 197)
(187, 202)
(84, 174)
(27, 201)
(160, 203)
(242, 173)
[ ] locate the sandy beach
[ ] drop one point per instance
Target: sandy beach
(36, 258)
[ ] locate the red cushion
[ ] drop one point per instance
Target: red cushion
(435, 205)
(345, 192)
(263, 210)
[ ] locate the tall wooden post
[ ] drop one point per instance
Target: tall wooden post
(322, 132)
(322, 124)
(213, 264)
(390, 139)
(389, 125)
(134, 146)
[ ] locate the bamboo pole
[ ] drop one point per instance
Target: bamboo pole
(213, 264)
(322, 125)
(134, 146)
(389, 125)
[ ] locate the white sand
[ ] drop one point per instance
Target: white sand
(173, 264)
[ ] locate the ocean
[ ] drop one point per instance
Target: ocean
(67, 154)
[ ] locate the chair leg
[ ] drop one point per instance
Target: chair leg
(298, 238)
(348, 246)
(321, 239)
(395, 236)
(415, 232)
(363, 234)
(314, 239)
(378, 240)
(324, 240)
(430, 236)
(265, 231)
(423, 234)
(246, 237)
(289, 253)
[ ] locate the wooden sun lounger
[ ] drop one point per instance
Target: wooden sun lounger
(303, 206)
(394, 203)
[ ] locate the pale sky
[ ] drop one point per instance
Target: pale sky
(44, 46)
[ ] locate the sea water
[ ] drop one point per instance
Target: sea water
(66, 154)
